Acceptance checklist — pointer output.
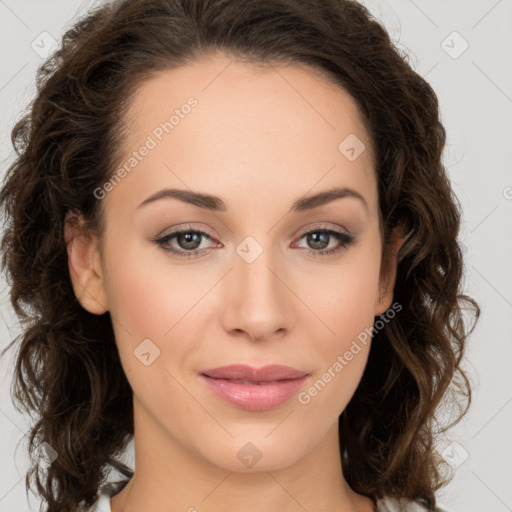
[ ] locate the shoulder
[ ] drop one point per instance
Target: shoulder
(102, 503)
(388, 504)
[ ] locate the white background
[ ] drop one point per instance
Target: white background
(475, 93)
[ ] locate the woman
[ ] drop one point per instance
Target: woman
(231, 238)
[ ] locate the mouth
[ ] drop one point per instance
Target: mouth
(243, 372)
(252, 382)
(254, 389)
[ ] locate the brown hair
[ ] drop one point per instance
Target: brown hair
(67, 369)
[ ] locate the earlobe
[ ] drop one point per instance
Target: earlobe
(388, 272)
(85, 267)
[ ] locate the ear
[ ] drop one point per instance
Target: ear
(85, 267)
(384, 295)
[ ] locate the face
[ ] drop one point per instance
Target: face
(259, 275)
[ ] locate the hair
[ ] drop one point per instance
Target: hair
(67, 143)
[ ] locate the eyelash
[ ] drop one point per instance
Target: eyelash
(345, 239)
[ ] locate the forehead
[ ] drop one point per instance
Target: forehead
(251, 127)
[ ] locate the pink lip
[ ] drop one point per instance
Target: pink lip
(264, 388)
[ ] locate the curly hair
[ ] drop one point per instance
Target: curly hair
(67, 368)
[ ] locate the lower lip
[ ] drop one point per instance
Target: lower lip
(254, 397)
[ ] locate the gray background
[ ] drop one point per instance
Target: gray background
(475, 92)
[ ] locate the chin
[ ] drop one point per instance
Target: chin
(254, 454)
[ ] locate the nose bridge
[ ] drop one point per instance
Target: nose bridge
(257, 298)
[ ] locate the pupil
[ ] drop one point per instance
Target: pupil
(322, 238)
(188, 240)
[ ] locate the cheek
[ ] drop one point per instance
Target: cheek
(142, 304)
(150, 322)
(343, 296)
(146, 293)
(152, 298)
(342, 340)
(343, 300)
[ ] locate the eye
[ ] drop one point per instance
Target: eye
(189, 239)
(319, 239)
(189, 242)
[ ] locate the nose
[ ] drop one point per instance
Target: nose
(258, 302)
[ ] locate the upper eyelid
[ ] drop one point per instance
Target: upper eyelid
(323, 226)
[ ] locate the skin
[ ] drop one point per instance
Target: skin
(259, 138)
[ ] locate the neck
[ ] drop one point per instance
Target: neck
(170, 476)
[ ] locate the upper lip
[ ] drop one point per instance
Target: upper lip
(249, 373)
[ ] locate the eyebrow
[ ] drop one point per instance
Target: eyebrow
(214, 203)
